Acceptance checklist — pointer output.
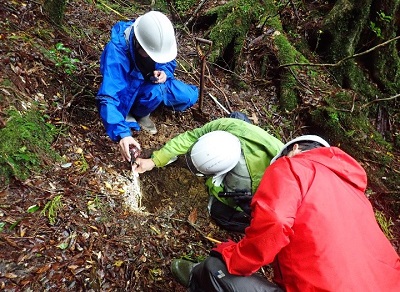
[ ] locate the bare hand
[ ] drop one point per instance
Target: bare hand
(142, 165)
(124, 144)
(160, 75)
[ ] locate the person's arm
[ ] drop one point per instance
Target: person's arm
(115, 69)
(181, 143)
(274, 209)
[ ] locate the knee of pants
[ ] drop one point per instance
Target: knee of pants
(213, 275)
(147, 101)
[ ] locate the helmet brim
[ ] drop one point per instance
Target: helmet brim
(311, 138)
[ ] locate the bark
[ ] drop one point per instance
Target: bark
(353, 26)
(386, 61)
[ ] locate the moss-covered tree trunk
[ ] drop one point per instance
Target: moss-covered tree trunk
(361, 28)
(234, 21)
(355, 26)
(55, 9)
(386, 61)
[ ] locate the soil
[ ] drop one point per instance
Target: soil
(105, 238)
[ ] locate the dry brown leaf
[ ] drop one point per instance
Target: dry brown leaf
(11, 275)
(192, 218)
(43, 269)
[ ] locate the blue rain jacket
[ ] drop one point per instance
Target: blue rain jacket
(124, 89)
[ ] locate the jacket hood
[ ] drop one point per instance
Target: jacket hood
(339, 162)
(117, 33)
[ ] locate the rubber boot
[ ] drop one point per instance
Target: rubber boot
(182, 270)
(147, 124)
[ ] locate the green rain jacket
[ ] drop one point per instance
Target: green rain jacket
(258, 148)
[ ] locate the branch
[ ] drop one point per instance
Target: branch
(381, 99)
(341, 61)
(195, 13)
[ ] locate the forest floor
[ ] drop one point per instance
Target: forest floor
(106, 237)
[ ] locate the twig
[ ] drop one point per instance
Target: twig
(213, 240)
(74, 96)
(184, 70)
(201, 232)
(381, 99)
(341, 61)
(195, 13)
(218, 103)
(298, 80)
(252, 102)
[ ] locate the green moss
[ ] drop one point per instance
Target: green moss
(352, 131)
(387, 68)
(288, 54)
(182, 6)
(386, 224)
(234, 20)
(25, 145)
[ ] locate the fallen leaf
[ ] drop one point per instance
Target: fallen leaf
(11, 275)
(66, 165)
(108, 185)
(73, 267)
(43, 269)
(33, 208)
(63, 245)
(192, 218)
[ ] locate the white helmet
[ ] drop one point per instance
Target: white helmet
(311, 138)
(214, 153)
(155, 33)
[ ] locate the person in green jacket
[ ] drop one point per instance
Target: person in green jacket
(233, 154)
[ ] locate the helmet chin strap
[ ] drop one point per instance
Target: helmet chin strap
(217, 180)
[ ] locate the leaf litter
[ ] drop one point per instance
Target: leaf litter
(115, 231)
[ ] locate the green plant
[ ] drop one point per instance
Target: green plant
(382, 17)
(95, 204)
(25, 142)
(84, 166)
(385, 224)
(334, 116)
(61, 55)
(182, 6)
(52, 208)
(385, 18)
(376, 29)
(193, 257)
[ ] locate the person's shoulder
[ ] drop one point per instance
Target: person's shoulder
(121, 25)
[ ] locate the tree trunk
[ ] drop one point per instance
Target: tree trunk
(386, 60)
(355, 26)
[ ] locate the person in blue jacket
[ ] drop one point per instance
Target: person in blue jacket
(137, 66)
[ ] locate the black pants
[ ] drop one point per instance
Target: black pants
(212, 275)
(227, 217)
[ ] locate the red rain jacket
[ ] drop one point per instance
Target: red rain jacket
(311, 216)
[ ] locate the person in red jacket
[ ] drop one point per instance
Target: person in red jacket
(312, 221)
